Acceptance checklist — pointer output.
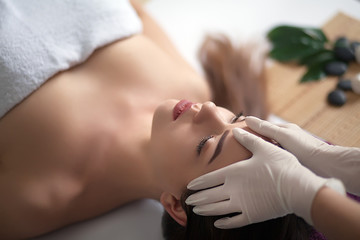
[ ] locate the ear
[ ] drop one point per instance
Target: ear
(173, 206)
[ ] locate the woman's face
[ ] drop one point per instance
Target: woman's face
(189, 140)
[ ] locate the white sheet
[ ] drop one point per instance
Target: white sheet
(39, 39)
(138, 220)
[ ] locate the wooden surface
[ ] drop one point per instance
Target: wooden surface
(305, 104)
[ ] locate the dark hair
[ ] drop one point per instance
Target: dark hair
(236, 75)
(198, 227)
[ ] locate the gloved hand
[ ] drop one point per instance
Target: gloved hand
(271, 184)
(323, 159)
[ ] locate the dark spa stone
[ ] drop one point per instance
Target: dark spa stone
(336, 68)
(344, 84)
(343, 50)
(345, 54)
(337, 97)
(342, 42)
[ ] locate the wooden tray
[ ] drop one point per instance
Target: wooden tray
(305, 104)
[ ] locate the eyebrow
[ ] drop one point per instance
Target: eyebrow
(219, 146)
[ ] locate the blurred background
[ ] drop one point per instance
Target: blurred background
(187, 21)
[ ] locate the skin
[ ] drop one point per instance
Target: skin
(81, 144)
(174, 143)
(173, 148)
(336, 216)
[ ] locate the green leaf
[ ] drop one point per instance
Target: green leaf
(304, 45)
(294, 52)
(283, 32)
(314, 73)
(286, 33)
(316, 33)
(320, 57)
(316, 64)
(302, 41)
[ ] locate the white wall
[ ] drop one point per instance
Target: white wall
(187, 21)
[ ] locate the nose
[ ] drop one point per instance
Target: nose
(209, 115)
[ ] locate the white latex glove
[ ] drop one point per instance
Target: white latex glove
(323, 159)
(271, 184)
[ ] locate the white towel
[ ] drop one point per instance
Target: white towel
(39, 38)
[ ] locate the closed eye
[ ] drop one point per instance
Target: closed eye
(236, 117)
(202, 144)
(203, 141)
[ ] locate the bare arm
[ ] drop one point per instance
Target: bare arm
(336, 216)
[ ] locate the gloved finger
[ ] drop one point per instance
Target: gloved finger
(279, 133)
(213, 209)
(213, 178)
(207, 196)
(208, 180)
(232, 222)
(262, 127)
(250, 141)
(292, 126)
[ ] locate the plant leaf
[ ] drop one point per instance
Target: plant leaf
(316, 33)
(320, 57)
(314, 73)
(294, 52)
(301, 40)
(285, 33)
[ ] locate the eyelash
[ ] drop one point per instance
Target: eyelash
(205, 139)
(202, 143)
(237, 116)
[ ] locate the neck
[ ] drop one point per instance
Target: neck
(149, 184)
(131, 167)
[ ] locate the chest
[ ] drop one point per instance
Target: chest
(67, 125)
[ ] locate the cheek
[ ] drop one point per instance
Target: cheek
(175, 168)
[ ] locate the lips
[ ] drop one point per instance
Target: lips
(181, 107)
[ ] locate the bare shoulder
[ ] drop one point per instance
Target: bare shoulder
(32, 205)
(40, 173)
